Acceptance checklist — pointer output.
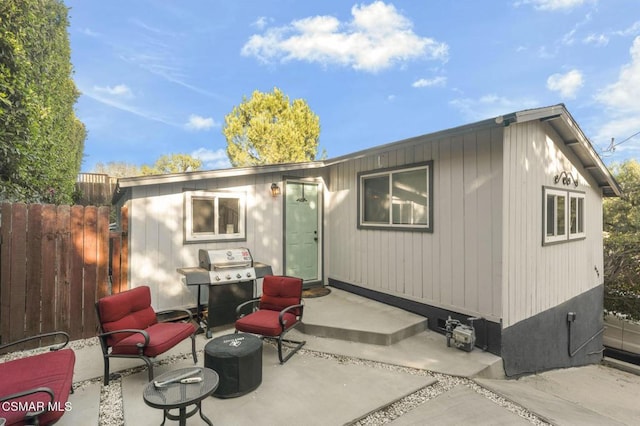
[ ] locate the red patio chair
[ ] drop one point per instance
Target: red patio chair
(275, 313)
(35, 389)
(129, 328)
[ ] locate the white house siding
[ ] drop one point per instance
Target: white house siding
(456, 267)
(537, 277)
(156, 233)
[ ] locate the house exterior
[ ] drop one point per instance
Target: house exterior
(499, 220)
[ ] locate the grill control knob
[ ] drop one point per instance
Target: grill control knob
(249, 274)
(228, 276)
(217, 277)
(238, 276)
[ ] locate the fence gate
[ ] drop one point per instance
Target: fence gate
(54, 265)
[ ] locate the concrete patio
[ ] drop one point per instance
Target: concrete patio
(367, 373)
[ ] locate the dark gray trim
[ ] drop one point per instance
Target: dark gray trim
(488, 334)
(397, 228)
(541, 342)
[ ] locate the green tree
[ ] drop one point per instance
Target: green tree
(621, 218)
(41, 139)
(117, 169)
(269, 129)
(173, 163)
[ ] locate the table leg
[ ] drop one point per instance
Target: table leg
(183, 416)
(202, 416)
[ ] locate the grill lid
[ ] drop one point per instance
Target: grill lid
(230, 258)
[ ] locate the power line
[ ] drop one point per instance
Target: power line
(612, 146)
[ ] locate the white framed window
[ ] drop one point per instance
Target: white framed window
(576, 215)
(214, 216)
(399, 198)
(563, 215)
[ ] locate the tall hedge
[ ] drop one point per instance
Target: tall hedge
(41, 139)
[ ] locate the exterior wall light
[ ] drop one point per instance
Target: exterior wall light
(275, 190)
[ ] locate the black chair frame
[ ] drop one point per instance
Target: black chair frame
(103, 336)
(297, 344)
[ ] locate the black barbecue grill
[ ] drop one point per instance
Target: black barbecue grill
(230, 275)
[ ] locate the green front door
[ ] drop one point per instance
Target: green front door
(302, 230)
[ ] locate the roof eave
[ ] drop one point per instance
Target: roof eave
(563, 123)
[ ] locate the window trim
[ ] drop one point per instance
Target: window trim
(361, 224)
(200, 237)
(577, 196)
(567, 235)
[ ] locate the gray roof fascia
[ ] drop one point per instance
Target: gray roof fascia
(124, 184)
(561, 120)
(415, 140)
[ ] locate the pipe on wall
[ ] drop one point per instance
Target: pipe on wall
(571, 317)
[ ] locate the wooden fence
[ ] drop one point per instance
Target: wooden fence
(54, 265)
(95, 189)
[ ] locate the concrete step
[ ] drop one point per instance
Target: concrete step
(345, 316)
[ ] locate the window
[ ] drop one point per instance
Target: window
(576, 215)
(214, 216)
(396, 198)
(563, 215)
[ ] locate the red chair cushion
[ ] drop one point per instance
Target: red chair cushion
(129, 309)
(53, 370)
(265, 322)
(162, 337)
(279, 292)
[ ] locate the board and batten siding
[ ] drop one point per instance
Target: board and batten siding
(539, 277)
(156, 233)
(458, 266)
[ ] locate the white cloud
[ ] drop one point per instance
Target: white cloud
(261, 22)
(212, 160)
(566, 84)
(552, 4)
(117, 103)
(89, 32)
(633, 30)
(376, 38)
(623, 95)
(490, 105)
(432, 82)
(621, 100)
(596, 39)
(197, 122)
(118, 90)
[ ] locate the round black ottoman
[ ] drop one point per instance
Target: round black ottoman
(237, 358)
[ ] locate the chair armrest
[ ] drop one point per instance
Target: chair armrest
(245, 303)
(128, 330)
(31, 392)
(287, 309)
(39, 336)
(167, 311)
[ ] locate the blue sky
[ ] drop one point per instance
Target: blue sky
(158, 77)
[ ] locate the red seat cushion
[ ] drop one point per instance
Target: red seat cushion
(53, 370)
(129, 309)
(162, 337)
(265, 322)
(279, 292)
